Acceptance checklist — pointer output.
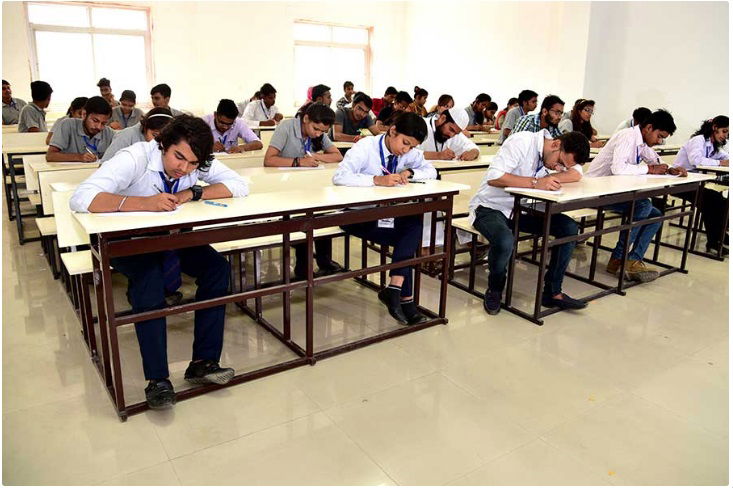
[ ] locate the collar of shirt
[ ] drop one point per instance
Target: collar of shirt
(638, 139)
(81, 133)
(296, 128)
(12, 103)
(387, 152)
(155, 157)
(39, 109)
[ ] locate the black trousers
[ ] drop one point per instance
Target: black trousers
(712, 207)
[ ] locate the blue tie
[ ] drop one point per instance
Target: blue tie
(392, 163)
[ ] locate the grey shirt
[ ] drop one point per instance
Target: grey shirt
(348, 126)
(510, 121)
(471, 115)
(175, 112)
(290, 141)
(32, 116)
(69, 137)
(11, 111)
(56, 124)
(122, 139)
(118, 116)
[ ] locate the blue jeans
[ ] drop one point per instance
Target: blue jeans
(497, 229)
(641, 236)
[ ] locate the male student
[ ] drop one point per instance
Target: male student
(318, 94)
(84, 139)
(527, 102)
(11, 106)
(263, 112)
(32, 117)
(401, 101)
(105, 90)
(475, 112)
(629, 152)
(525, 160)
(637, 117)
(160, 96)
(388, 99)
(348, 95)
(126, 114)
(445, 139)
(551, 113)
(350, 120)
(157, 177)
(227, 129)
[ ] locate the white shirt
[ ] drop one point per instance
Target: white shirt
(565, 126)
(625, 124)
(625, 153)
(136, 171)
(698, 151)
(458, 143)
(364, 161)
(257, 111)
(520, 155)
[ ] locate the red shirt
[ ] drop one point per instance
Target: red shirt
(377, 105)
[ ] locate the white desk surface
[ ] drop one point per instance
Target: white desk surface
(259, 203)
(484, 160)
(343, 144)
(224, 157)
(37, 163)
(64, 186)
(667, 147)
(717, 169)
(10, 128)
(607, 185)
(603, 137)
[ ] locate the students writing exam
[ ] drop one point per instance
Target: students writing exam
(350, 120)
(144, 131)
(263, 112)
(227, 129)
(84, 139)
(445, 139)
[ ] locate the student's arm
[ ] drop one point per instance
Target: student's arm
(374, 129)
(110, 202)
(273, 159)
(446, 154)
(48, 138)
(352, 170)
(696, 154)
(421, 169)
(278, 117)
(249, 116)
(338, 134)
(549, 182)
(54, 155)
(465, 148)
(251, 141)
(570, 175)
(33, 129)
(330, 153)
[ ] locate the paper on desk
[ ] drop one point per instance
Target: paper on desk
(547, 192)
(661, 176)
(221, 153)
(293, 168)
(137, 214)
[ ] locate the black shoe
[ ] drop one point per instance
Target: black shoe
(492, 302)
(390, 296)
(328, 268)
(565, 303)
(208, 371)
(174, 298)
(413, 315)
(160, 394)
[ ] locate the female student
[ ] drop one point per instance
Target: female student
(705, 149)
(490, 114)
(579, 121)
(75, 111)
(388, 160)
(144, 131)
(125, 115)
(418, 105)
(444, 103)
(513, 102)
(302, 141)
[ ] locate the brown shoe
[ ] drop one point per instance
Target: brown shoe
(613, 266)
(637, 271)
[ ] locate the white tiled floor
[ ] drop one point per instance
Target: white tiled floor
(632, 390)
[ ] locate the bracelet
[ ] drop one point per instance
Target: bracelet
(121, 203)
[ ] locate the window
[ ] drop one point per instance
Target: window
(330, 54)
(74, 45)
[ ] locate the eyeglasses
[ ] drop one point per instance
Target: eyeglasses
(588, 110)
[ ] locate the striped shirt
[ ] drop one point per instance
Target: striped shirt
(625, 153)
(531, 123)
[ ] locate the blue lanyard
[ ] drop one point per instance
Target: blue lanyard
(223, 140)
(264, 112)
(88, 143)
(385, 169)
(707, 151)
(169, 188)
(307, 145)
(638, 156)
(126, 119)
(540, 166)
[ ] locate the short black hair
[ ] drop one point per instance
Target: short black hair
(549, 101)
(482, 97)
(156, 119)
(661, 120)
(403, 96)
(390, 91)
(492, 106)
(577, 144)
(128, 95)
(195, 132)
(362, 97)
(40, 91)
(6, 83)
(512, 101)
(412, 125)
(97, 105)
(640, 115)
(420, 92)
(103, 82)
(163, 89)
(318, 91)
(227, 108)
(76, 104)
(320, 114)
(708, 127)
(444, 100)
(267, 89)
(348, 84)
(526, 96)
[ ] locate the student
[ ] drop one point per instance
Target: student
(637, 117)
(263, 112)
(490, 115)
(105, 90)
(160, 96)
(32, 117)
(512, 103)
(83, 140)
(418, 106)
(126, 114)
(350, 121)
(379, 103)
(550, 114)
(401, 102)
(475, 112)
(579, 121)
(144, 131)
(317, 94)
(348, 95)
(705, 148)
(75, 111)
(11, 106)
(527, 102)
(444, 103)
(298, 142)
(525, 160)
(156, 177)
(445, 139)
(629, 152)
(388, 160)
(227, 129)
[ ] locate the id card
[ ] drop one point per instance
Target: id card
(386, 223)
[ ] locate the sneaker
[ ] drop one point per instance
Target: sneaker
(492, 302)
(637, 271)
(565, 303)
(413, 315)
(208, 371)
(390, 296)
(159, 394)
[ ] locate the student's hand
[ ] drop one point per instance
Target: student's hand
(219, 147)
(183, 196)
(235, 149)
(309, 161)
(268, 123)
(88, 157)
(597, 143)
(658, 169)
(549, 183)
(724, 162)
(466, 156)
(390, 180)
(162, 202)
(278, 117)
(676, 170)
(115, 125)
(467, 133)
(446, 154)
(356, 138)
(405, 176)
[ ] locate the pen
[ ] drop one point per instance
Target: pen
(419, 182)
(156, 187)
(217, 204)
(90, 152)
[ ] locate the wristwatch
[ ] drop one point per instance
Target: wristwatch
(296, 162)
(198, 192)
(412, 173)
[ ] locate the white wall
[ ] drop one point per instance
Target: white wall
(16, 63)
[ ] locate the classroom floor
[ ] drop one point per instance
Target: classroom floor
(632, 390)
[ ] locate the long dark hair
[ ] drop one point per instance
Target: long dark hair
(579, 124)
(707, 127)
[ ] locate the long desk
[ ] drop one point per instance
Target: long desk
(446, 166)
(287, 212)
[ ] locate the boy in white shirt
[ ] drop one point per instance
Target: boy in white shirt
(263, 112)
(445, 139)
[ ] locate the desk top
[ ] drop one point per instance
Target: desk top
(485, 160)
(224, 157)
(19, 143)
(257, 204)
(660, 148)
(716, 169)
(39, 164)
(64, 186)
(343, 144)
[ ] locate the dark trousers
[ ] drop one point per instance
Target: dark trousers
(712, 207)
(404, 238)
(144, 273)
(497, 229)
(322, 254)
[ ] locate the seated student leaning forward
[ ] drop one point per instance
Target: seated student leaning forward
(145, 131)
(84, 139)
(445, 139)
(525, 160)
(157, 176)
(388, 160)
